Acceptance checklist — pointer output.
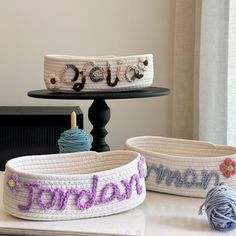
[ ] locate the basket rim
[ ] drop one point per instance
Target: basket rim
(65, 57)
(133, 155)
(208, 145)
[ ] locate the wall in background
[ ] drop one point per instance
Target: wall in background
(183, 70)
(30, 29)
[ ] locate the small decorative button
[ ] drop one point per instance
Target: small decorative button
(54, 81)
(228, 167)
(13, 182)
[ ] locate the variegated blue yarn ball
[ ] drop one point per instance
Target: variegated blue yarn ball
(220, 207)
(74, 140)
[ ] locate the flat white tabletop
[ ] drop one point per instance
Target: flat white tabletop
(159, 215)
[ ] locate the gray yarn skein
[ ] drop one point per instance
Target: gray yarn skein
(220, 207)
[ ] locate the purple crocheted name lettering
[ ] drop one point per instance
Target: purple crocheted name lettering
(51, 203)
(90, 194)
(116, 191)
(32, 188)
(57, 198)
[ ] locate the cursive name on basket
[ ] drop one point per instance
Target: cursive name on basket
(97, 74)
(187, 178)
(47, 198)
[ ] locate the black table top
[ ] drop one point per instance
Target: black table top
(141, 93)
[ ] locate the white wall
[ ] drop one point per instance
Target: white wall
(29, 29)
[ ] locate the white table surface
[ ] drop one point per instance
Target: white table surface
(159, 215)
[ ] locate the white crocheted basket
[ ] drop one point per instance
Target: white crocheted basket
(74, 186)
(185, 167)
(64, 73)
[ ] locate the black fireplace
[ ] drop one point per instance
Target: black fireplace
(33, 130)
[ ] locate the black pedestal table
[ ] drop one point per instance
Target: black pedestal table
(99, 112)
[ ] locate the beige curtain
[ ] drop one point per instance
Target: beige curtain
(231, 95)
(204, 78)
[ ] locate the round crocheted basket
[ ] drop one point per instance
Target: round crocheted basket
(185, 167)
(74, 185)
(64, 73)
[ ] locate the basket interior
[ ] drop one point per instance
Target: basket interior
(179, 147)
(71, 164)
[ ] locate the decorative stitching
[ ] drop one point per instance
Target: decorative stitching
(228, 168)
(111, 84)
(51, 203)
(115, 193)
(60, 197)
(64, 197)
(97, 74)
(132, 73)
(79, 86)
(75, 69)
(13, 182)
(91, 194)
(142, 167)
(119, 75)
(206, 177)
(188, 178)
(31, 187)
(143, 63)
(54, 82)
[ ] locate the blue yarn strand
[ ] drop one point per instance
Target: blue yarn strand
(220, 207)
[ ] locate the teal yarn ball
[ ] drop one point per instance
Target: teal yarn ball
(74, 140)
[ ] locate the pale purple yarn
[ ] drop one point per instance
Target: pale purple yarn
(220, 207)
